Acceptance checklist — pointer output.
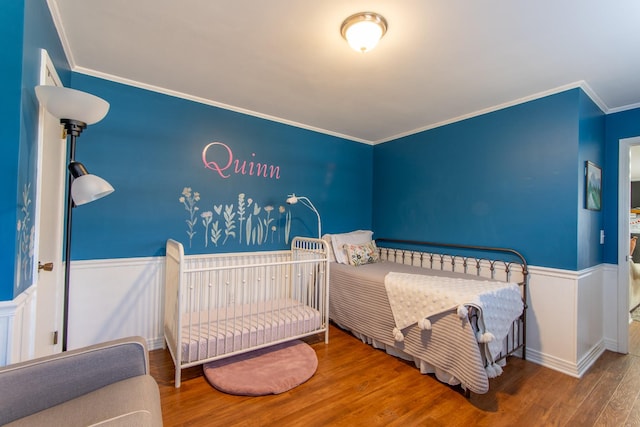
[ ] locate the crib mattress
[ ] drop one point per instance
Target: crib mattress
(235, 329)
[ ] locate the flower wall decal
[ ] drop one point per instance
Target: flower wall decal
(248, 221)
(189, 200)
(26, 237)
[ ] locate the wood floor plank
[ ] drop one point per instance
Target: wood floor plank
(619, 406)
(589, 412)
(357, 385)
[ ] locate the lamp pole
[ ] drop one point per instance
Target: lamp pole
(293, 199)
(73, 128)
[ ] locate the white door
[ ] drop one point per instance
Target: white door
(49, 224)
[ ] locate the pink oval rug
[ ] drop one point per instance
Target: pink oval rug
(270, 370)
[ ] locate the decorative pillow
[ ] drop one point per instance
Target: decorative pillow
(359, 237)
(362, 254)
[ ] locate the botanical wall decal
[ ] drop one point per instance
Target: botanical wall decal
(247, 221)
(189, 200)
(26, 234)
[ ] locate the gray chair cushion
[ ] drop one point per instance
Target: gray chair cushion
(131, 402)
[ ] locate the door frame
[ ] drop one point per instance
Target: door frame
(48, 75)
(624, 202)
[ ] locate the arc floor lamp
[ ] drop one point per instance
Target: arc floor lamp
(292, 199)
(76, 110)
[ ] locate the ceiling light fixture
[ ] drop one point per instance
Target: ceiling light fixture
(363, 30)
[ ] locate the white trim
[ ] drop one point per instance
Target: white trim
(590, 358)
(48, 75)
(623, 108)
(579, 84)
(564, 366)
(557, 273)
(62, 35)
(90, 264)
(205, 101)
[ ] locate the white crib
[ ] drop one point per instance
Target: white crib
(220, 305)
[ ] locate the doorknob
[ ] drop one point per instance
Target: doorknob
(46, 267)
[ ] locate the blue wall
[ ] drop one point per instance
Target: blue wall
(27, 27)
(150, 148)
(11, 29)
(509, 178)
(591, 148)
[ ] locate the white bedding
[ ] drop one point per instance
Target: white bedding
(414, 298)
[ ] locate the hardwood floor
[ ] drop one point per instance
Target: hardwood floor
(357, 385)
(634, 338)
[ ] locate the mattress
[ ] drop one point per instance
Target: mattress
(359, 303)
(234, 329)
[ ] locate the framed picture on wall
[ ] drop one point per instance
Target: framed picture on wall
(593, 186)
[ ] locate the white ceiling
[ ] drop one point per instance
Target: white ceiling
(441, 60)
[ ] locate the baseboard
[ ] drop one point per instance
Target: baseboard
(553, 362)
(590, 358)
(564, 366)
(155, 343)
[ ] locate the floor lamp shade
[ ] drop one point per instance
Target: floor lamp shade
(66, 103)
(87, 187)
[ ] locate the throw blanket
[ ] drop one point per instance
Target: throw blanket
(414, 298)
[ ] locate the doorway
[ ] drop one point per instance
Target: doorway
(629, 171)
(49, 214)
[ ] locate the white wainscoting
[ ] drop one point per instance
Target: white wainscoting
(116, 298)
(610, 302)
(571, 316)
(17, 327)
(566, 318)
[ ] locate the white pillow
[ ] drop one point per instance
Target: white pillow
(330, 253)
(355, 238)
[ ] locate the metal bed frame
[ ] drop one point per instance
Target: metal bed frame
(466, 261)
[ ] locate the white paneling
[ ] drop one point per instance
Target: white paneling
(17, 327)
(571, 315)
(7, 311)
(590, 320)
(551, 320)
(110, 299)
(568, 318)
(610, 306)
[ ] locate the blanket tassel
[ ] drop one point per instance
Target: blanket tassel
(424, 324)
(484, 337)
(397, 335)
(493, 370)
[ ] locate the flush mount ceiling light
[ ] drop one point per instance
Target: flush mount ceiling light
(363, 30)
